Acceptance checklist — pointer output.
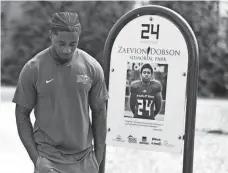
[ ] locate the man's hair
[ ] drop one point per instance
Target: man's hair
(147, 66)
(65, 21)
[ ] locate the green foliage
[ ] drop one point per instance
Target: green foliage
(29, 34)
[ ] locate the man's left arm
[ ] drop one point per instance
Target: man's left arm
(158, 103)
(97, 100)
(99, 128)
(158, 100)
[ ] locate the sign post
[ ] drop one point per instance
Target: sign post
(151, 71)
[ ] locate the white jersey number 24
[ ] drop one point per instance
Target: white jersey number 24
(147, 106)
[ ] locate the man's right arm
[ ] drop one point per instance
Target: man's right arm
(25, 131)
(25, 98)
(132, 100)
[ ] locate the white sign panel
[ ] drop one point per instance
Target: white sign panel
(146, 109)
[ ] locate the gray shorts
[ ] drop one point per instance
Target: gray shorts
(87, 165)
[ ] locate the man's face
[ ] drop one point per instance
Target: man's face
(146, 75)
(65, 43)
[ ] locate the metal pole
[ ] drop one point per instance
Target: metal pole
(188, 157)
(192, 84)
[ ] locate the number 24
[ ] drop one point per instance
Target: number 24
(141, 106)
(149, 28)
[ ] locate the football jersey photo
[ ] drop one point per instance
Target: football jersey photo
(144, 102)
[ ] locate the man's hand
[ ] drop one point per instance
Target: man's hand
(34, 159)
(99, 152)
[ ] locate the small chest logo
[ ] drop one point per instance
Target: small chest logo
(48, 81)
(83, 79)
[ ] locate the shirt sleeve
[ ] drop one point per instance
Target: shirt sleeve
(25, 94)
(98, 92)
(132, 89)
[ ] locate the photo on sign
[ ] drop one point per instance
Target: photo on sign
(145, 94)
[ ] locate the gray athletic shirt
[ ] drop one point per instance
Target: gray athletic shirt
(61, 96)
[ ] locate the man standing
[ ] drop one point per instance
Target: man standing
(146, 98)
(60, 84)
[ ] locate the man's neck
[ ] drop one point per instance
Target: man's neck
(146, 83)
(57, 58)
